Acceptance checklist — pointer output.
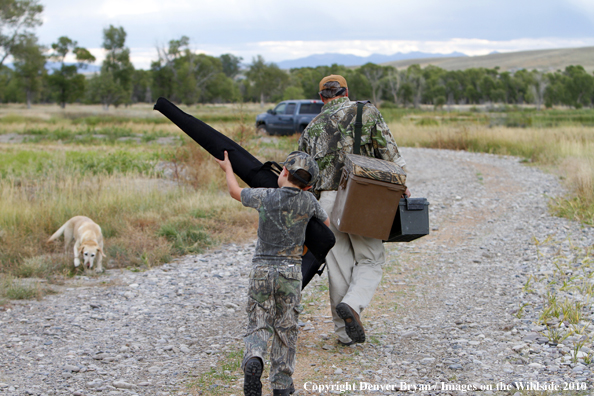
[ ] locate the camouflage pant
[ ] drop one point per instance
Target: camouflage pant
(273, 309)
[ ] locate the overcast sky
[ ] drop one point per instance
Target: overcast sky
(281, 30)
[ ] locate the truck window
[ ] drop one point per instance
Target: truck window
(311, 108)
(280, 109)
(290, 108)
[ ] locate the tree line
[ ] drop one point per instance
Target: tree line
(186, 77)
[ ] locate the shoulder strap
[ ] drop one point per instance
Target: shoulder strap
(359, 126)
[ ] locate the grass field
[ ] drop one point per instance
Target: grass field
(156, 194)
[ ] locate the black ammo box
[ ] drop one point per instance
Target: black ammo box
(411, 221)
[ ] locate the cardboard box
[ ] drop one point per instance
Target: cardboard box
(365, 206)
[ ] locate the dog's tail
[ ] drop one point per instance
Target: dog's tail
(58, 233)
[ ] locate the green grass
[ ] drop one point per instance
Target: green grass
(186, 236)
(16, 289)
(65, 169)
(219, 379)
(36, 163)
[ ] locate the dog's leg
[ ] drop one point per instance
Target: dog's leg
(99, 267)
(76, 254)
(67, 238)
(100, 256)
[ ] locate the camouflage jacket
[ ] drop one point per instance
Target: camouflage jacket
(329, 137)
(284, 214)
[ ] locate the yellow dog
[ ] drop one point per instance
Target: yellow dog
(88, 241)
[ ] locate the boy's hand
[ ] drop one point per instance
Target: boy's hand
(225, 163)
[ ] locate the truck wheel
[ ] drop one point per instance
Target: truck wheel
(261, 130)
(302, 128)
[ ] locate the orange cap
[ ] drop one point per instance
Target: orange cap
(333, 77)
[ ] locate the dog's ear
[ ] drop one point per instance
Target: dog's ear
(103, 254)
(81, 249)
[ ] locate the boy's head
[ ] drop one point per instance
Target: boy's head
(302, 169)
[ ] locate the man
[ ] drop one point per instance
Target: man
(355, 262)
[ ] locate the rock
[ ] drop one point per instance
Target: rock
(96, 383)
(124, 385)
(338, 371)
(70, 367)
(455, 366)
(518, 347)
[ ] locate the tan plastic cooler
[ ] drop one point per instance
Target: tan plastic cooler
(368, 196)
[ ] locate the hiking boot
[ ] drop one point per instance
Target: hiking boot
(346, 344)
(353, 325)
(281, 392)
(252, 386)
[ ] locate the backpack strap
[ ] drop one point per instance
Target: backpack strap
(359, 126)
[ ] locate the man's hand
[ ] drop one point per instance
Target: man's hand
(225, 164)
(406, 193)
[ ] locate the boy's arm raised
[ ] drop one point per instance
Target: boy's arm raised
(234, 189)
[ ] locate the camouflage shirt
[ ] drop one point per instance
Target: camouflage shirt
(329, 137)
(284, 214)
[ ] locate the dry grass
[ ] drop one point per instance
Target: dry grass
(144, 221)
(567, 151)
(147, 218)
(551, 59)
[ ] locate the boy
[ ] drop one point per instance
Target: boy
(274, 294)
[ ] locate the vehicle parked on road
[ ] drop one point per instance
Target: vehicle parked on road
(288, 117)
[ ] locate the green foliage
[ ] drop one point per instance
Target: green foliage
(29, 64)
(15, 289)
(68, 86)
(23, 163)
(186, 77)
(113, 86)
(266, 80)
(17, 17)
(186, 235)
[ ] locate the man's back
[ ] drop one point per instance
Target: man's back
(330, 136)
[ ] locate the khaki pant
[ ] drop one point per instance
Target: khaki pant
(354, 269)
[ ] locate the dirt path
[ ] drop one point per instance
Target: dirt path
(452, 313)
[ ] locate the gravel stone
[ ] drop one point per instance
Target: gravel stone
(457, 291)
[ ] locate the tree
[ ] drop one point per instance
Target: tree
(117, 70)
(6, 77)
(187, 77)
(578, 87)
(416, 81)
(17, 17)
(67, 82)
(141, 86)
(539, 88)
(29, 65)
(231, 64)
(374, 74)
(394, 79)
(266, 79)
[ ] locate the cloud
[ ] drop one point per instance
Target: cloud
(275, 51)
(287, 30)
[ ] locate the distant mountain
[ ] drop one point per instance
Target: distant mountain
(51, 66)
(354, 60)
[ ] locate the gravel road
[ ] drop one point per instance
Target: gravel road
(453, 312)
